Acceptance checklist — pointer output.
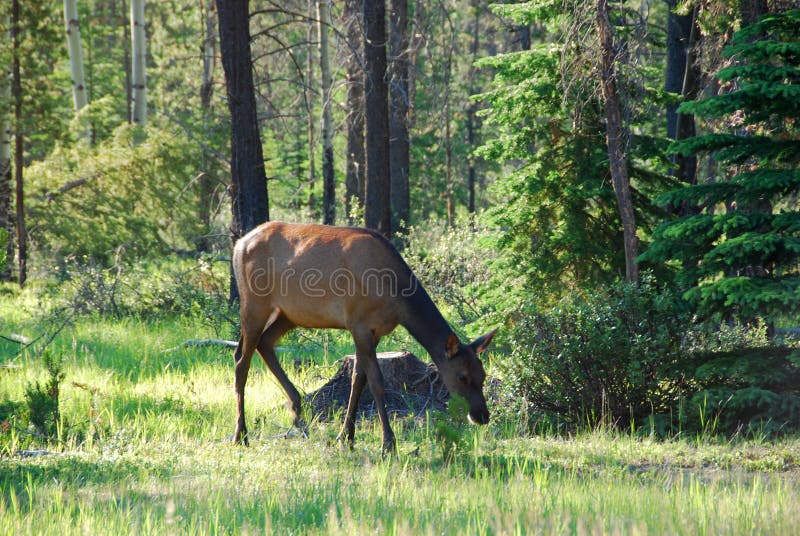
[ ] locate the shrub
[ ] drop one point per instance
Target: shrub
(453, 264)
(196, 288)
(600, 356)
(42, 400)
(746, 388)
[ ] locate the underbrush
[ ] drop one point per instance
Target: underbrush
(634, 357)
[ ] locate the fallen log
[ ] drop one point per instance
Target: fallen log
(412, 388)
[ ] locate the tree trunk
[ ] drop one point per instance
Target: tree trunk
(399, 143)
(79, 94)
(377, 210)
(354, 178)
(615, 138)
(448, 140)
(22, 235)
(6, 195)
(126, 48)
(138, 78)
(249, 200)
(679, 28)
(207, 197)
(309, 93)
(328, 182)
(471, 119)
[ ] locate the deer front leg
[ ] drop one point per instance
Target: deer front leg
(357, 382)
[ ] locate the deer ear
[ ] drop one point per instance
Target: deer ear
(451, 346)
(482, 343)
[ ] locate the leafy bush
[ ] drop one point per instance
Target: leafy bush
(187, 288)
(453, 264)
(744, 389)
(138, 197)
(600, 355)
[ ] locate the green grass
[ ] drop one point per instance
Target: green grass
(144, 449)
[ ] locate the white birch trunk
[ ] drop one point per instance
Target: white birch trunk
(138, 79)
(79, 94)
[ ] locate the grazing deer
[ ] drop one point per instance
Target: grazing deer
(317, 276)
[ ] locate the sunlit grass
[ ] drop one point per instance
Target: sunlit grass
(144, 448)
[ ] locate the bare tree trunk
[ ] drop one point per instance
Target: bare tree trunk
(309, 98)
(448, 140)
(127, 66)
(471, 120)
(249, 199)
(399, 143)
(6, 195)
(207, 197)
(615, 138)
(354, 178)
(377, 209)
(22, 235)
(79, 94)
(139, 56)
(328, 182)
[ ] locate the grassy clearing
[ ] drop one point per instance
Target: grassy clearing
(143, 448)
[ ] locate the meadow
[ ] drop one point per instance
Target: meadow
(143, 447)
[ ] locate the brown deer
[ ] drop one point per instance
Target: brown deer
(317, 276)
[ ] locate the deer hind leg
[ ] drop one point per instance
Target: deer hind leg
(251, 330)
(266, 347)
(367, 361)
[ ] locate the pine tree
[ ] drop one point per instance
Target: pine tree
(739, 255)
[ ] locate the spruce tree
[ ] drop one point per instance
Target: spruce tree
(739, 255)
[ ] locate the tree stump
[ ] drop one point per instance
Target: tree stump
(411, 386)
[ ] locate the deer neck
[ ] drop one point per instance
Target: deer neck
(426, 324)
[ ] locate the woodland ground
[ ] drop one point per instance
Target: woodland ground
(143, 448)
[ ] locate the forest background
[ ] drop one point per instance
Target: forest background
(613, 184)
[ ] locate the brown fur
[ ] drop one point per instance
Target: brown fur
(318, 276)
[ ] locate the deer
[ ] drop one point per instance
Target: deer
(318, 276)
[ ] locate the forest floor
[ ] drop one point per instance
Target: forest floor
(143, 447)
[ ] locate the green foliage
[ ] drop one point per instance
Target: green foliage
(557, 210)
(738, 253)
(3, 252)
(42, 399)
(741, 381)
(193, 289)
(453, 263)
(599, 356)
(121, 197)
(449, 429)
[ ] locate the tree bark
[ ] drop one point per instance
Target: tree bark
(471, 119)
(22, 235)
(328, 182)
(207, 196)
(79, 94)
(377, 210)
(309, 93)
(679, 28)
(399, 143)
(249, 200)
(126, 49)
(354, 178)
(615, 138)
(138, 78)
(6, 195)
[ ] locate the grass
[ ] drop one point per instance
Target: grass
(143, 448)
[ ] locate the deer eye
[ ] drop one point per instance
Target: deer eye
(462, 378)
